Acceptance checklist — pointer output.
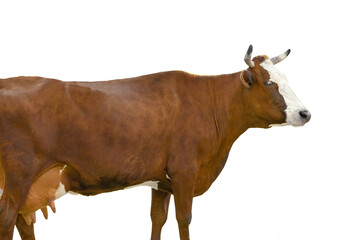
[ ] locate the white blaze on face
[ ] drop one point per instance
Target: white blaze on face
(1, 192)
(293, 104)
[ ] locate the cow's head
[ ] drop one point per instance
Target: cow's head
(269, 96)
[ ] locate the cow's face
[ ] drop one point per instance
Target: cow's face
(269, 96)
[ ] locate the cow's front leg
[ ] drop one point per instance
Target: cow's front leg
(159, 211)
(183, 190)
(26, 232)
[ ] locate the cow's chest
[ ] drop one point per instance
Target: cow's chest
(208, 173)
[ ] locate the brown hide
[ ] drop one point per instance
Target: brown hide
(120, 133)
(173, 128)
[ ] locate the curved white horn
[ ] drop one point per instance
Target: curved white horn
(247, 58)
(281, 57)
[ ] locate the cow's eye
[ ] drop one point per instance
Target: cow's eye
(268, 83)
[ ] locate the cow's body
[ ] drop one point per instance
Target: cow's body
(172, 130)
(114, 134)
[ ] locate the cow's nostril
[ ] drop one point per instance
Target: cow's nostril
(304, 114)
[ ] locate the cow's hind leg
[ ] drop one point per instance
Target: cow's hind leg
(19, 174)
(159, 211)
(26, 232)
(10, 204)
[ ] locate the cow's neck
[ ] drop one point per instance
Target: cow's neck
(229, 108)
(229, 120)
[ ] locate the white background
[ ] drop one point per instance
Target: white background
(278, 184)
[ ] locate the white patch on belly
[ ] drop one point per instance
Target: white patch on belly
(1, 192)
(73, 193)
(152, 184)
(60, 191)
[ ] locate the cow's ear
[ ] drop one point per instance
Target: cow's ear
(246, 78)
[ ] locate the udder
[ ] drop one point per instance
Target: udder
(43, 192)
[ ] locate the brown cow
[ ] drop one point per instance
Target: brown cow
(172, 131)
